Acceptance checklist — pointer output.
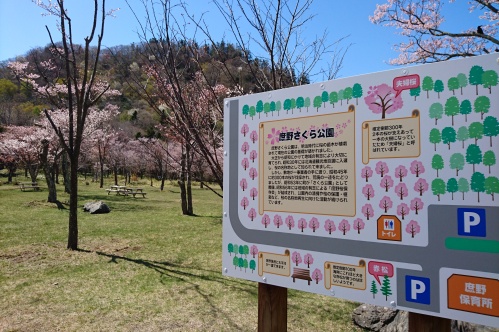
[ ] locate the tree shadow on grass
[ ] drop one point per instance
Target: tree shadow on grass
(184, 274)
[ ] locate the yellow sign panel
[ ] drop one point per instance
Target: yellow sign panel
(274, 263)
(345, 275)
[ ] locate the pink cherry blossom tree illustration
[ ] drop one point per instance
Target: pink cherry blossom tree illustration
(254, 251)
(401, 172)
(253, 193)
(265, 220)
(244, 202)
(421, 186)
(368, 211)
(296, 258)
(245, 163)
(417, 167)
(253, 155)
(386, 182)
(368, 191)
(308, 259)
(358, 224)
(252, 214)
(290, 222)
(314, 224)
(244, 129)
(344, 226)
(253, 173)
(278, 220)
(317, 275)
(302, 224)
(243, 184)
(416, 204)
(382, 99)
(381, 168)
(254, 136)
(386, 203)
(402, 210)
(366, 173)
(329, 226)
(245, 147)
(413, 228)
(401, 190)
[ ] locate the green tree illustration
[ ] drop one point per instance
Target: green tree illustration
(448, 136)
(293, 104)
(427, 85)
(452, 107)
(333, 97)
(235, 262)
(465, 108)
(240, 263)
(230, 248)
(490, 127)
(415, 92)
(236, 249)
(245, 110)
(272, 107)
(357, 92)
(473, 155)
(436, 112)
(385, 287)
(453, 84)
(307, 103)
(489, 159)
(438, 187)
(245, 264)
(463, 81)
(325, 97)
(252, 265)
(266, 108)
(246, 250)
(438, 87)
(287, 105)
(475, 130)
(437, 163)
(300, 102)
(252, 111)
(475, 77)
(462, 134)
(457, 162)
(259, 107)
(482, 105)
(435, 137)
(317, 102)
(489, 79)
(341, 96)
(463, 186)
(492, 186)
(452, 186)
(278, 107)
(374, 288)
(477, 183)
(347, 94)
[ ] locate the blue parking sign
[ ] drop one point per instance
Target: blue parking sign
(471, 222)
(417, 289)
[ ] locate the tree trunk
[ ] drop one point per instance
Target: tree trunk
(190, 209)
(49, 172)
(101, 174)
(66, 173)
(115, 169)
(73, 206)
(181, 183)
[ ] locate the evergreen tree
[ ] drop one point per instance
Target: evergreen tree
(385, 287)
(374, 289)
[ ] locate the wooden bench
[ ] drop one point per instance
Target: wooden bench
(303, 274)
(29, 186)
(112, 191)
(134, 193)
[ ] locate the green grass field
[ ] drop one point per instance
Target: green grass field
(142, 267)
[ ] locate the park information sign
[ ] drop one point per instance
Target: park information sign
(380, 188)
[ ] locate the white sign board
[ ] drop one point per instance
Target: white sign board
(380, 188)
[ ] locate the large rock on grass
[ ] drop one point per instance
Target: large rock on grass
(96, 207)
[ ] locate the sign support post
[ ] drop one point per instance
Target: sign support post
(272, 308)
(425, 323)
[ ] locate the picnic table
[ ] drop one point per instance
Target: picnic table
(29, 186)
(125, 191)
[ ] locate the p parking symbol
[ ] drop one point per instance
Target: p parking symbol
(417, 289)
(471, 222)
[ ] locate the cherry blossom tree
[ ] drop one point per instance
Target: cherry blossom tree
(381, 168)
(253, 193)
(290, 222)
(253, 173)
(358, 224)
(254, 136)
(368, 211)
(253, 155)
(368, 191)
(265, 220)
(252, 214)
(245, 163)
(296, 258)
(329, 226)
(244, 202)
(314, 224)
(366, 173)
(386, 203)
(308, 259)
(254, 251)
(278, 220)
(401, 190)
(401, 172)
(402, 210)
(421, 186)
(243, 184)
(416, 204)
(422, 23)
(344, 226)
(317, 275)
(413, 228)
(417, 167)
(245, 147)
(386, 182)
(383, 99)
(244, 129)
(302, 224)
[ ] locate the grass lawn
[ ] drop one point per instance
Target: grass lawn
(142, 267)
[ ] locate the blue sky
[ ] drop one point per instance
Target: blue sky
(22, 27)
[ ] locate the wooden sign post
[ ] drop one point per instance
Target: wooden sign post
(425, 323)
(272, 308)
